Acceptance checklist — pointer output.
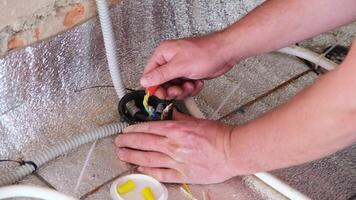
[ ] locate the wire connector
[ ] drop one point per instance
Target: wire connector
(150, 107)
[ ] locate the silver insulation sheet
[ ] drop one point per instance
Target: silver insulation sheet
(50, 90)
(43, 87)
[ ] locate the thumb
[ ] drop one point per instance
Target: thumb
(161, 75)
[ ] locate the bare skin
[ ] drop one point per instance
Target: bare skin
(317, 122)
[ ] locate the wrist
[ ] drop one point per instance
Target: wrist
(242, 155)
(230, 46)
(223, 48)
(228, 150)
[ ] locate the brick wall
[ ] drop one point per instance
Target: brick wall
(23, 22)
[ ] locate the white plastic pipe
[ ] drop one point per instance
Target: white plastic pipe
(281, 186)
(32, 192)
(310, 56)
(110, 47)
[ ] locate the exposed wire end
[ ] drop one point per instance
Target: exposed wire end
(187, 192)
(149, 109)
(165, 112)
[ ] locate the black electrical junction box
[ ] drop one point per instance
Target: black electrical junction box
(135, 98)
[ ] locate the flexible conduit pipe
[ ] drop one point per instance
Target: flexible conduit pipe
(110, 47)
(31, 191)
(310, 56)
(268, 178)
(60, 149)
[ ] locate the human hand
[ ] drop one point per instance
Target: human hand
(184, 150)
(180, 66)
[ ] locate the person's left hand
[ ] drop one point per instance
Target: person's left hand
(184, 150)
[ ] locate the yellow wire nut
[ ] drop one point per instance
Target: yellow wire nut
(147, 194)
(126, 187)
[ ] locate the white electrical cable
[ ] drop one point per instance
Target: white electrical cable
(33, 192)
(59, 149)
(110, 47)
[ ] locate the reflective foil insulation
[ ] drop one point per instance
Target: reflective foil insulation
(56, 88)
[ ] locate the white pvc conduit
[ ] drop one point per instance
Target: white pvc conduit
(281, 186)
(33, 192)
(59, 149)
(110, 47)
(310, 56)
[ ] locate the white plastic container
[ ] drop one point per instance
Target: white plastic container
(141, 181)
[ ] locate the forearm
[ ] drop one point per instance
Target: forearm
(315, 123)
(279, 23)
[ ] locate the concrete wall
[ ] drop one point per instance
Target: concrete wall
(23, 22)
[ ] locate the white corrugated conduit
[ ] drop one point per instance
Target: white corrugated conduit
(110, 47)
(59, 149)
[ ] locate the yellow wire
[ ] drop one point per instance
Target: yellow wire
(186, 187)
(145, 102)
(188, 190)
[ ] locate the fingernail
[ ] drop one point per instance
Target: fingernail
(117, 142)
(120, 153)
(139, 169)
(144, 81)
(117, 153)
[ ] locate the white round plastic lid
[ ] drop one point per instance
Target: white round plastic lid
(141, 181)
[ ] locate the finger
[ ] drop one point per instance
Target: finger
(198, 86)
(162, 175)
(160, 128)
(181, 116)
(142, 141)
(177, 81)
(188, 88)
(166, 85)
(161, 74)
(146, 159)
(161, 93)
(174, 91)
(157, 59)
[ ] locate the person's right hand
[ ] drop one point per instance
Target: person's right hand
(180, 66)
